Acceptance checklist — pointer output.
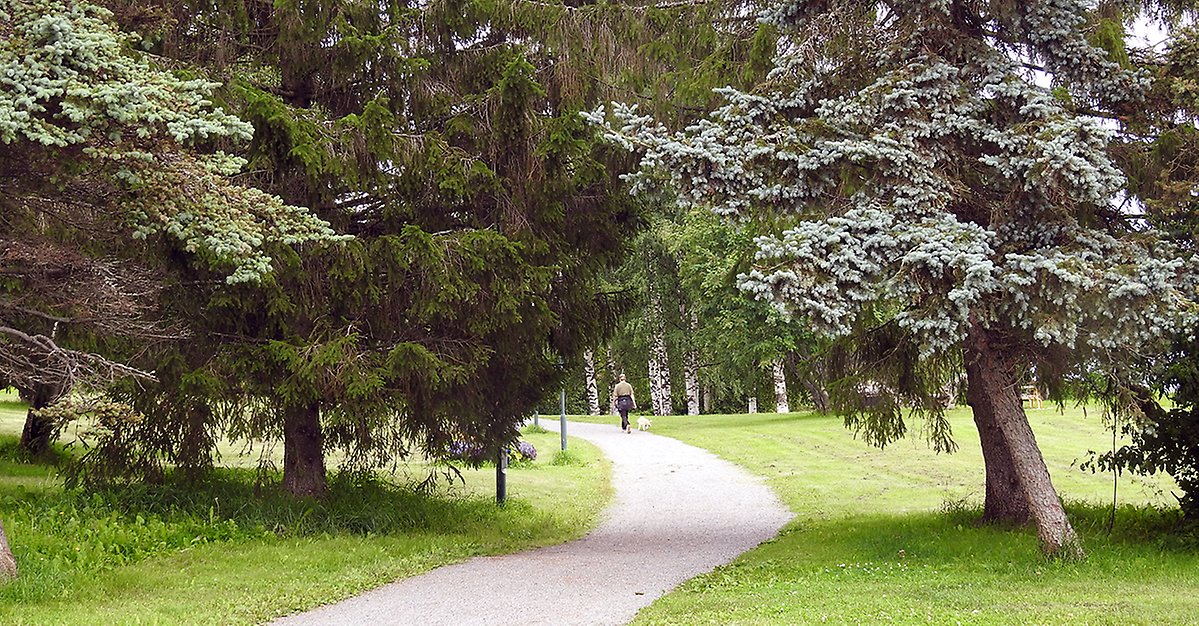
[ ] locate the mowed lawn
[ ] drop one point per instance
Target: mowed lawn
(888, 536)
(86, 561)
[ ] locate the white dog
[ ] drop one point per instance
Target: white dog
(643, 423)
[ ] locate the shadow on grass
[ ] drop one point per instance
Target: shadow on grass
(12, 455)
(953, 538)
(700, 422)
(354, 506)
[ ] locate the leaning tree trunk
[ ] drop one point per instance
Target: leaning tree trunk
(1010, 449)
(813, 375)
(1006, 502)
(303, 451)
(691, 369)
(818, 393)
(593, 407)
(8, 564)
(35, 436)
(782, 404)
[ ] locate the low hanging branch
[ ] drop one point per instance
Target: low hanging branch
(64, 291)
(31, 360)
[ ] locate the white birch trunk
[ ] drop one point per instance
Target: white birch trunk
(659, 361)
(780, 388)
(691, 368)
(753, 404)
(664, 393)
(655, 390)
(593, 407)
(612, 396)
(707, 405)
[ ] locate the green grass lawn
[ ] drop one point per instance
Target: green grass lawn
(888, 536)
(225, 554)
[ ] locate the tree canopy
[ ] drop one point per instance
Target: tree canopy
(954, 206)
(104, 153)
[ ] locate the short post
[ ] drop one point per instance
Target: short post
(537, 417)
(501, 475)
(562, 421)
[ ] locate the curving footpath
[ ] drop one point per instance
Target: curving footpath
(678, 512)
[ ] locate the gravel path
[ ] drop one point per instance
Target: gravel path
(678, 512)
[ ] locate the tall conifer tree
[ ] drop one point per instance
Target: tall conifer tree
(956, 211)
(444, 138)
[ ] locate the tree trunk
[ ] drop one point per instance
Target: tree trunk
(8, 564)
(655, 390)
(691, 370)
(659, 363)
(35, 436)
(707, 404)
(818, 393)
(782, 404)
(1010, 450)
(1006, 502)
(615, 377)
(753, 404)
(303, 451)
(593, 406)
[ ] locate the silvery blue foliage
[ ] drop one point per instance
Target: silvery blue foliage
(947, 186)
(72, 91)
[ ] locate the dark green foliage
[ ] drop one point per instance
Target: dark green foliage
(1160, 156)
(481, 208)
(1163, 439)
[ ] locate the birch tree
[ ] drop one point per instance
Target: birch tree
(951, 208)
(779, 376)
(593, 405)
(615, 375)
(691, 363)
(659, 358)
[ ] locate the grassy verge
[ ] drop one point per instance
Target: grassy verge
(226, 554)
(888, 536)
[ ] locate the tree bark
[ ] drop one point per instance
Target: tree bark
(782, 403)
(655, 390)
(593, 406)
(707, 404)
(818, 393)
(303, 451)
(35, 436)
(753, 404)
(1006, 502)
(1010, 450)
(659, 362)
(691, 370)
(8, 564)
(615, 377)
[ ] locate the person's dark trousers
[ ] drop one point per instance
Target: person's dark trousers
(624, 404)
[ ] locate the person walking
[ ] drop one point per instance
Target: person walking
(625, 402)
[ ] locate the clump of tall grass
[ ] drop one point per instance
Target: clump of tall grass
(59, 534)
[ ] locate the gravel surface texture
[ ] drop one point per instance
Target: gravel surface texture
(678, 512)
